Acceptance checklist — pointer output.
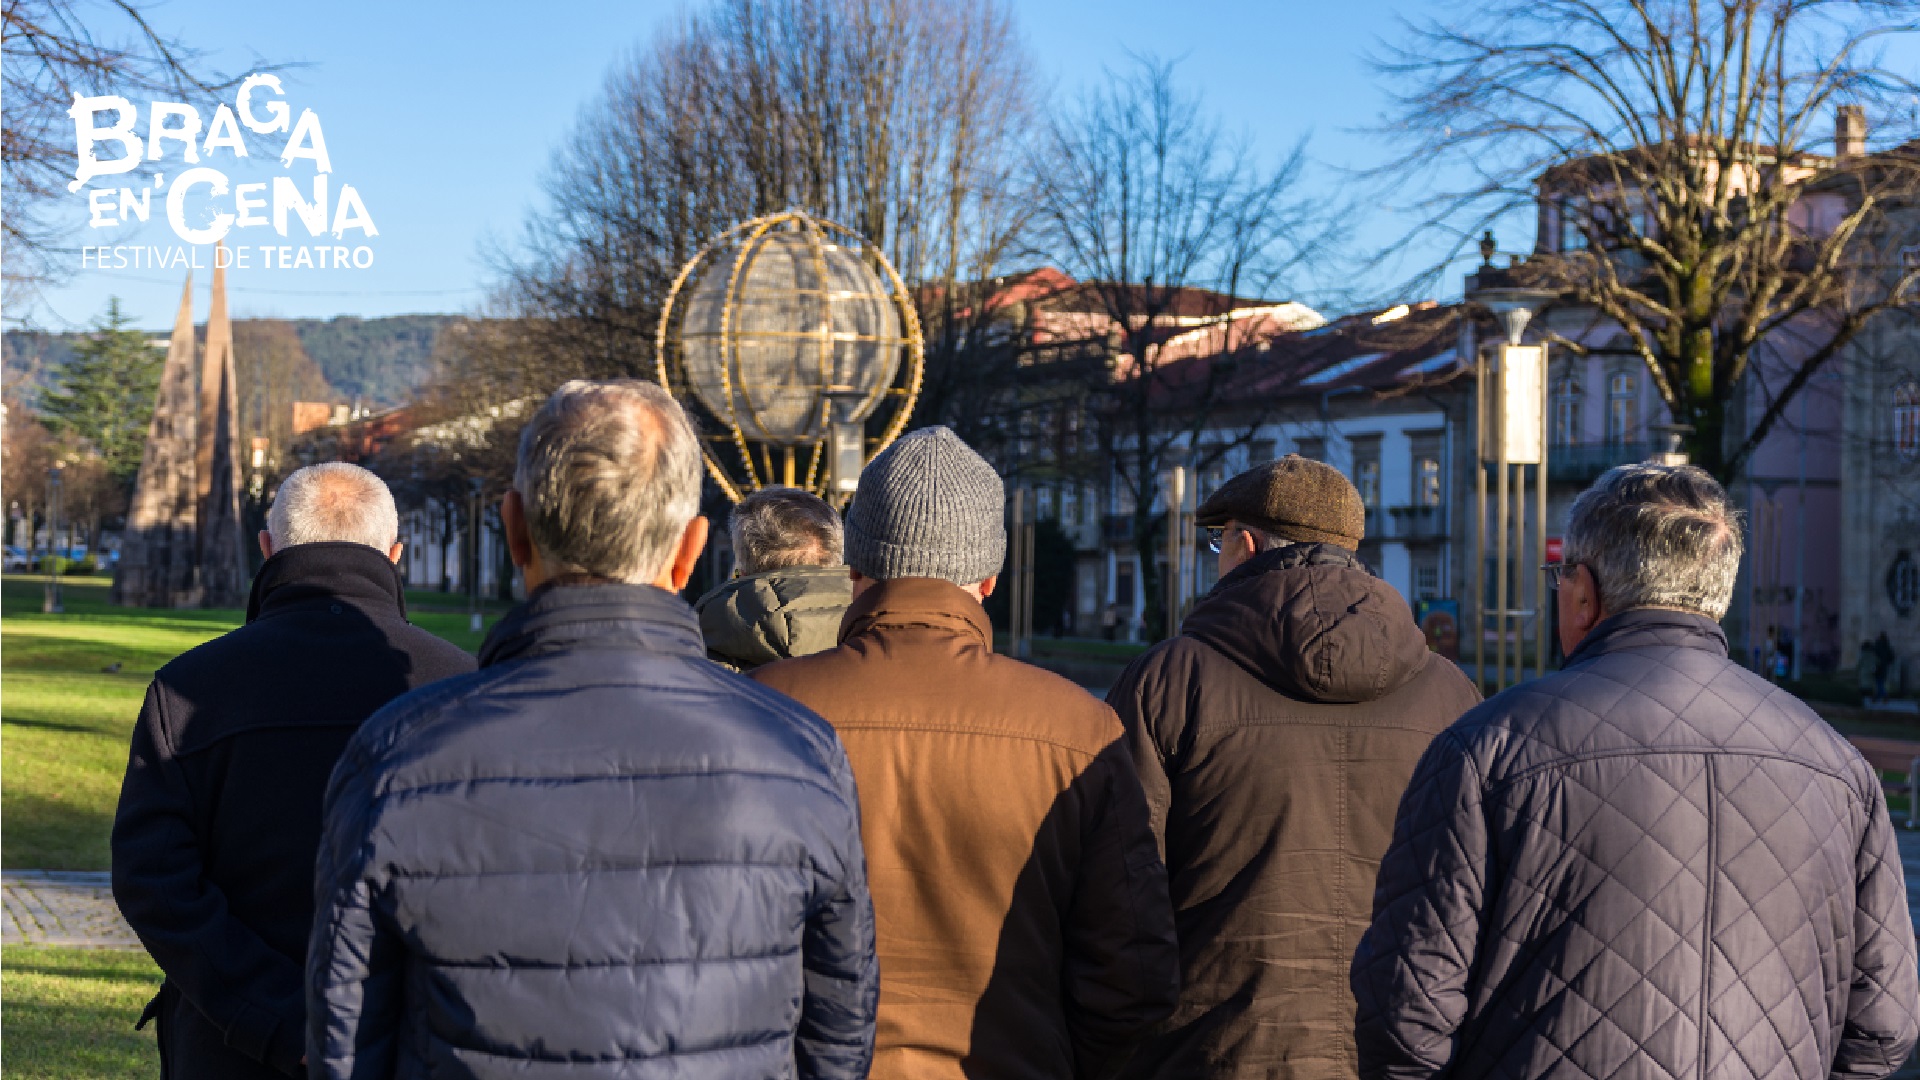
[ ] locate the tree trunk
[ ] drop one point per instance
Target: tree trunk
(503, 559)
(1147, 540)
(446, 546)
(1706, 446)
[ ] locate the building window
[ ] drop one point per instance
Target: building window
(1426, 481)
(1573, 224)
(1211, 480)
(1906, 420)
(1426, 581)
(1366, 477)
(1043, 504)
(1903, 584)
(1566, 412)
(1623, 395)
(1070, 504)
(1311, 447)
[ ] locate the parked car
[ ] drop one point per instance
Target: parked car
(15, 560)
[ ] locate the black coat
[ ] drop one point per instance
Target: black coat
(1652, 863)
(219, 818)
(1273, 737)
(602, 855)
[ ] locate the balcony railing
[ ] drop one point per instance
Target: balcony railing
(1583, 463)
(1416, 523)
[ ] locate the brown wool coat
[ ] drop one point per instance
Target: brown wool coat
(1023, 922)
(1274, 737)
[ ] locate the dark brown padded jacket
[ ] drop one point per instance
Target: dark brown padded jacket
(1023, 923)
(1274, 737)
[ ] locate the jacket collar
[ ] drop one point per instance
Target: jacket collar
(332, 573)
(599, 616)
(926, 603)
(1644, 628)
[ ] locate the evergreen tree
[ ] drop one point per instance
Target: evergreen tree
(105, 393)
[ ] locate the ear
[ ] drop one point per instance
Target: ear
(513, 522)
(685, 557)
(1592, 611)
(266, 544)
(393, 553)
(987, 586)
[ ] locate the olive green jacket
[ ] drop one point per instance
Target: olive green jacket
(772, 616)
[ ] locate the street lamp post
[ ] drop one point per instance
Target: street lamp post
(1511, 402)
(473, 562)
(51, 605)
(1020, 583)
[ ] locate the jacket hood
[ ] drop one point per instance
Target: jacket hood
(354, 573)
(756, 620)
(1311, 622)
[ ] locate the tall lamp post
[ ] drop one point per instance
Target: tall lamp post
(51, 605)
(1510, 397)
(473, 561)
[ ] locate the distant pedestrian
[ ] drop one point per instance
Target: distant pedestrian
(1869, 673)
(602, 855)
(790, 587)
(1023, 920)
(1648, 864)
(219, 818)
(1274, 735)
(1885, 663)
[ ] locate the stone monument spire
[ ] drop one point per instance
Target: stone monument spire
(222, 553)
(158, 551)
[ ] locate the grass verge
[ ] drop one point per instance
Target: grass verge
(73, 684)
(69, 1013)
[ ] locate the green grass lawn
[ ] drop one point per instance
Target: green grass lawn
(65, 720)
(69, 1013)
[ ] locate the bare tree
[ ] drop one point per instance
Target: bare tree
(274, 371)
(51, 50)
(900, 118)
(1169, 225)
(1678, 149)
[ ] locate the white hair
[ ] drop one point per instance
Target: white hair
(333, 503)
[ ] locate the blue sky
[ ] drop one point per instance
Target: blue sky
(443, 115)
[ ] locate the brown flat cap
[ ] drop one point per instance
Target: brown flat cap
(1295, 498)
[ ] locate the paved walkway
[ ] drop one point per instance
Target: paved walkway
(53, 907)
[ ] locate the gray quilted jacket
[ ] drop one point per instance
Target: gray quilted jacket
(1650, 864)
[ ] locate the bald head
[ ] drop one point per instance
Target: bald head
(333, 503)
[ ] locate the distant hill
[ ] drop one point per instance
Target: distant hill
(373, 361)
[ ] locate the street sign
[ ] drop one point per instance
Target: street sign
(1556, 549)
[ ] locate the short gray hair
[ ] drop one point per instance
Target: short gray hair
(333, 502)
(778, 527)
(1662, 536)
(610, 475)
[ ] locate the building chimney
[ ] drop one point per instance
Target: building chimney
(1849, 131)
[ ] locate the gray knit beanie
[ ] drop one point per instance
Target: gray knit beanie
(928, 506)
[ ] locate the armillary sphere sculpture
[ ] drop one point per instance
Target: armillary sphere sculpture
(791, 337)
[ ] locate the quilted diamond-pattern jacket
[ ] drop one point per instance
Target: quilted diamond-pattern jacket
(1650, 864)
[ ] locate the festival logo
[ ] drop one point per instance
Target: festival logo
(181, 168)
